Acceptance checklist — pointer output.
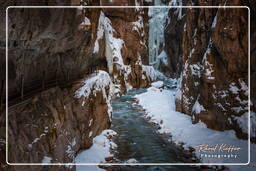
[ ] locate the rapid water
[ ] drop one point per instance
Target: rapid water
(138, 139)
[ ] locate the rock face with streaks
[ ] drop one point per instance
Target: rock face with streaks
(55, 124)
(124, 31)
(50, 53)
(211, 53)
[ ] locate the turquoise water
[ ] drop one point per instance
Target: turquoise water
(138, 138)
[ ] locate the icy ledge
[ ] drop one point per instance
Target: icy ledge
(160, 108)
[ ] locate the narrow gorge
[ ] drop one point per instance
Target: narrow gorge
(127, 84)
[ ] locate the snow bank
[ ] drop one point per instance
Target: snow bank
(157, 84)
(97, 152)
(160, 108)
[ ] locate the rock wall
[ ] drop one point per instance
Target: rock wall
(173, 37)
(51, 52)
(125, 32)
(55, 124)
(211, 53)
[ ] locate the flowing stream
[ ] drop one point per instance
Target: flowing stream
(138, 138)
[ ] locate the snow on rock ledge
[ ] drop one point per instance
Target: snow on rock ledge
(98, 81)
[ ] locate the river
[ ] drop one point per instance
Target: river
(139, 139)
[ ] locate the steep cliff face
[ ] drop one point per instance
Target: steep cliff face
(57, 123)
(125, 32)
(212, 56)
(53, 53)
(174, 37)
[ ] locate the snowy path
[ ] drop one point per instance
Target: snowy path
(160, 107)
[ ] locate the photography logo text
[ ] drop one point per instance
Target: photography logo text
(218, 150)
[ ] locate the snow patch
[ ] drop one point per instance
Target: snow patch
(132, 161)
(100, 32)
(196, 69)
(233, 88)
(214, 22)
(70, 151)
(86, 21)
(46, 159)
(197, 107)
(97, 153)
(206, 64)
(157, 84)
(90, 122)
(160, 106)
